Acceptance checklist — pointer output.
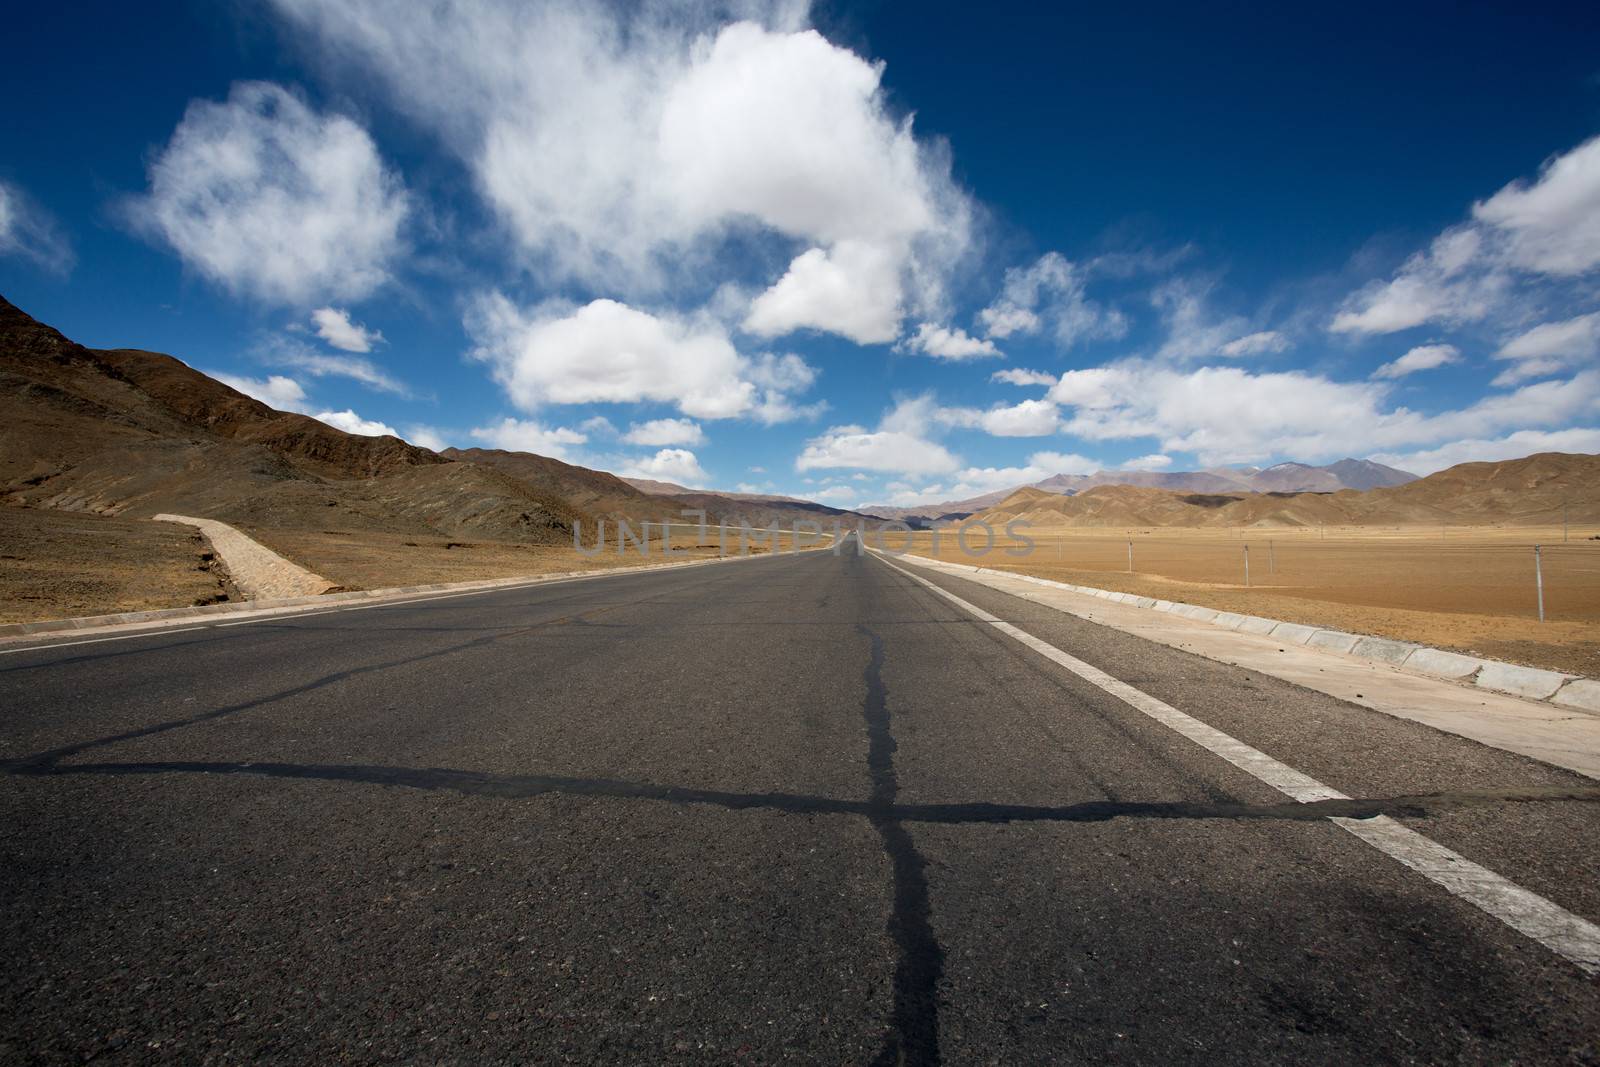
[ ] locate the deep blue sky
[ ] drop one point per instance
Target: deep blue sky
(1271, 166)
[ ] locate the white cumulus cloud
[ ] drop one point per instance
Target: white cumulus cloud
(350, 422)
(947, 342)
(835, 494)
(1019, 376)
(1550, 348)
(522, 435)
(669, 465)
(619, 142)
(852, 290)
(665, 432)
(878, 450)
(608, 352)
(1487, 450)
(334, 326)
(1448, 283)
(1228, 415)
(1252, 344)
(1063, 463)
(427, 437)
(1525, 235)
(1420, 358)
(271, 199)
(275, 391)
(901, 443)
(1030, 418)
(1551, 225)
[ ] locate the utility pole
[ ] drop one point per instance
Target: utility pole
(1538, 579)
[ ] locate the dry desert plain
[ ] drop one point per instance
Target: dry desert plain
(56, 564)
(1466, 588)
(370, 560)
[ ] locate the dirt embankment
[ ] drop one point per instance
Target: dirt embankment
(56, 564)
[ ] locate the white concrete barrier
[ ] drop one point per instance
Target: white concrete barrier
(1384, 649)
(1293, 633)
(1582, 694)
(1442, 664)
(1332, 641)
(1527, 682)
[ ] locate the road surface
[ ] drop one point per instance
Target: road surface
(799, 808)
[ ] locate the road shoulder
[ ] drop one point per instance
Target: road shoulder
(1553, 735)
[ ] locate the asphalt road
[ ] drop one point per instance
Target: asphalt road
(789, 809)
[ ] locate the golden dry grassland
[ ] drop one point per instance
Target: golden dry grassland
(1470, 589)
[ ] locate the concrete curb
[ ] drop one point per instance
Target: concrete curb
(1531, 683)
(162, 618)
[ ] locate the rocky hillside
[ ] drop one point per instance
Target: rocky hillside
(127, 432)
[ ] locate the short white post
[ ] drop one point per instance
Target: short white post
(1247, 566)
(1538, 578)
(1130, 557)
(1272, 559)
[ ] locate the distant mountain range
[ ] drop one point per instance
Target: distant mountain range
(1359, 474)
(1535, 489)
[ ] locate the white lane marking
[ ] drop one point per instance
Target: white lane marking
(102, 640)
(1568, 935)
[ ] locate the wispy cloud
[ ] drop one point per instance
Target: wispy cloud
(29, 231)
(287, 352)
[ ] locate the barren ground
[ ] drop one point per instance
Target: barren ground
(366, 560)
(1469, 590)
(58, 564)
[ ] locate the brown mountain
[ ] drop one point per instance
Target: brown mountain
(657, 488)
(596, 492)
(130, 432)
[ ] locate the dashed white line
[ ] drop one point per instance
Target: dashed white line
(1568, 935)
